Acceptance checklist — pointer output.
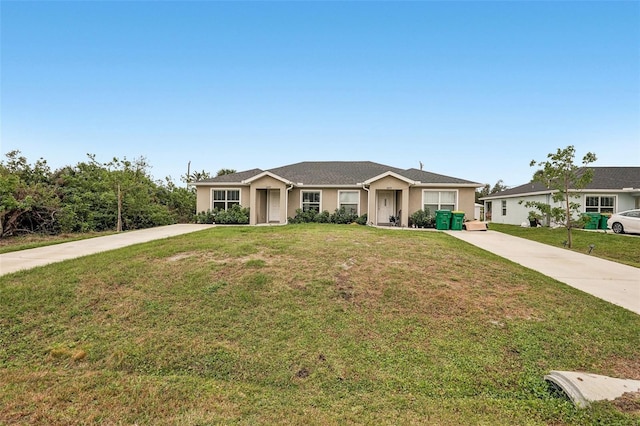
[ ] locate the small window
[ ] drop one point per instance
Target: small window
(350, 200)
(439, 200)
(311, 201)
(597, 204)
(504, 207)
(223, 199)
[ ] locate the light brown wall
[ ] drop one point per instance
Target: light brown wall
(203, 196)
(329, 199)
(467, 202)
(466, 199)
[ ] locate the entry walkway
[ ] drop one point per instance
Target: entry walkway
(26, 259)
(610, 281)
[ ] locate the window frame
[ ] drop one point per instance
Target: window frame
(319, 202)
(226, 201)
(357, 192)
(599, 208)
(440, 203)
(503, 207)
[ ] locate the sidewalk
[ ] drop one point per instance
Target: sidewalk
(610, 281)
(25, 259)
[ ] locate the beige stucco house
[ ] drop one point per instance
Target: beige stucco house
(361, 187)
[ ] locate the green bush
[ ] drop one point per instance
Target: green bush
(422, 219)
(235, 215)
(205, 217)
(362, 220)
(323, 217)
(340, 216)
(307, 216)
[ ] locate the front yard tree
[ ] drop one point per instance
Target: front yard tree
(560, 173)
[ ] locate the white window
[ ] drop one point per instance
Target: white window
(350, 200)
(598, 204)
(311, 201)
(504, 207)
(439, 200)
(225, 198)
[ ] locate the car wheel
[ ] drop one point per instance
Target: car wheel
(617, 228)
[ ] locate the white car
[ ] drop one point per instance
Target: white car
(627, 221)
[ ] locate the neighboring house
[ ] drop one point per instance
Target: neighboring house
(611, 190)
(361, 187)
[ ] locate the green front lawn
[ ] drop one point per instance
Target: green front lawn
(29, 241)
(619, 248)
(303, 324)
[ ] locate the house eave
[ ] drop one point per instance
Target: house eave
(448, 185)
(302, 185)
(219, 184)
(519, 195)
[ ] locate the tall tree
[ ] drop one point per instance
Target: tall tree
(488, 190)
(560, 173)
(28, 200)
(196, 176)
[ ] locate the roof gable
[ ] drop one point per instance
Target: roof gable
(392, 174)
(267, 173)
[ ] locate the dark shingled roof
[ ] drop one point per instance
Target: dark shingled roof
(234, 177)
(321, 173)
(611, 178)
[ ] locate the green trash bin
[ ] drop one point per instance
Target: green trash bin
(457, 219)
(603, 220)
(594, 220)
(443, 219)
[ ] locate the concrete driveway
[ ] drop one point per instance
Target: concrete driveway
(610, 281)
(25, 259)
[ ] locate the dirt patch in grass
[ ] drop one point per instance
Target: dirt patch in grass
(629, 402)
(623, 367)
(180, 256)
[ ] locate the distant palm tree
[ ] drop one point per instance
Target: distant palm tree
(226, 172)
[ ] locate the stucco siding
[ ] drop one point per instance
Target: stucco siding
(415, 200)
(203, 199)
(467, 202)
(204, 196)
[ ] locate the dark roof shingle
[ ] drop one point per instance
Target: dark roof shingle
(319, 173)
(612, 178)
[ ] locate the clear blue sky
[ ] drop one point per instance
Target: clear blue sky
(474, 90)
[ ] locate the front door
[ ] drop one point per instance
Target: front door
(386, 206)
(274, 205)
